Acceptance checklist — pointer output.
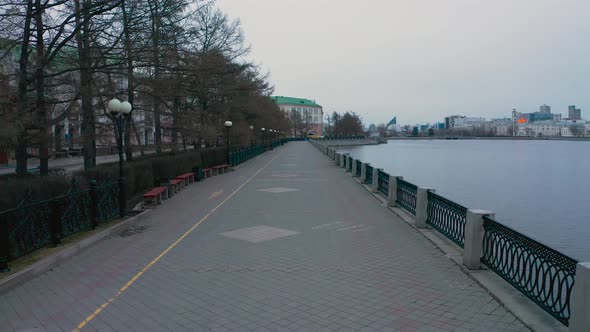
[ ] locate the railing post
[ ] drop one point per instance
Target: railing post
(580, 300)
(375, 183)
(392, 196)
(4, 244)
(341, 161)
(473, 249)
(353, 171)
(346, 161)
(422, 206)
(364, 172)
(337, 159)
(93, 204)
(55, 222)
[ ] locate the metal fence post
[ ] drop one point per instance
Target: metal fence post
(346, 155)
(353, 171)
(364, 172)
(337, 159)
(375, 182)
(55, 222)
(580, 300)
(93, 204)
(422, 206)
(392, 196)
(4, 244)
(473, 249)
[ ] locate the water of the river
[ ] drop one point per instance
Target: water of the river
(539, 188)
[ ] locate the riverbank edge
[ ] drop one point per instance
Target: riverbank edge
(501, 138)
(530, 314)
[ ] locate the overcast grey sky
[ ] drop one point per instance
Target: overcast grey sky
(423, 59)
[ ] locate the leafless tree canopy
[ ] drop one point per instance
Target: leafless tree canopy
(180, 63)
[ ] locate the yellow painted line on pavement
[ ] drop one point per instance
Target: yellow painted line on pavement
(215, 194)
(155, 260)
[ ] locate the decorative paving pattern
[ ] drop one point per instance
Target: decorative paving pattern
(278, 190)
(259, 233)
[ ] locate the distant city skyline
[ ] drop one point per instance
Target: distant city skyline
(422, 60)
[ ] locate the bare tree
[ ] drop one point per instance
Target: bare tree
(577, 130)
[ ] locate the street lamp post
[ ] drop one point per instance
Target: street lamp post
(251, 135)
(228, 125)
(119, 111)
(270, 131)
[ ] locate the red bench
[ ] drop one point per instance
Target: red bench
(220, 169)
(207, 172)
(187, 178)
(154, 197)
(176, 185)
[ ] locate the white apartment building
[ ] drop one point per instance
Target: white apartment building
(308, 110)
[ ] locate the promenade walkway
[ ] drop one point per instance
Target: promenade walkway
(285, 242)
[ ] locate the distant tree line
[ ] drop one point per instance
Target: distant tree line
(180, 63)
(347, 124)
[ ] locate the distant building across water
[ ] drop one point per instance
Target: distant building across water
(307, 116)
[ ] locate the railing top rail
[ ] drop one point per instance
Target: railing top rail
(407, 184)
(446, 201)
(555, 256)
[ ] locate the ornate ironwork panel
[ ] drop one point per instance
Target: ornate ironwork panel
(383, 185)
(369, 174)
(28, 227)
(447, 217)
(544, 275)
(76, 215)
(406, 195)
(108, 200)
(358, 168)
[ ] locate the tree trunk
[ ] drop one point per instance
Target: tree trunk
(156, 24)
(83, 41)
(130, 82)
(21, 145)
(41, 105)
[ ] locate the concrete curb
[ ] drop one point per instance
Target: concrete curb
(532, 316)
(55, 259)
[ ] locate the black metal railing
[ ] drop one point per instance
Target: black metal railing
(447, 217)
(359, 166)
(368, 174)
(349, 164)
(383, 184)
(544, 275)
(406, 195)
(33, 225)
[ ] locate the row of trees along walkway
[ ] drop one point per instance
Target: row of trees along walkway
(179, 63)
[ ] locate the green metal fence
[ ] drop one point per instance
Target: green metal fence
(383, 185)
(35, 224)
(238, 156)
(359, 165)
(447, 217)
(544, 275)
(406, 195)
(368, 174)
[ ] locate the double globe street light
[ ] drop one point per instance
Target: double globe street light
(228, 125)
(120, 110)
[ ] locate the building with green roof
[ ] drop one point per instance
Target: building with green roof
(306, 115)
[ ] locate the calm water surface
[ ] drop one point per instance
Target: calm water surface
(540, 188)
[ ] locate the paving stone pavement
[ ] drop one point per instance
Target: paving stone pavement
(300, 247)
